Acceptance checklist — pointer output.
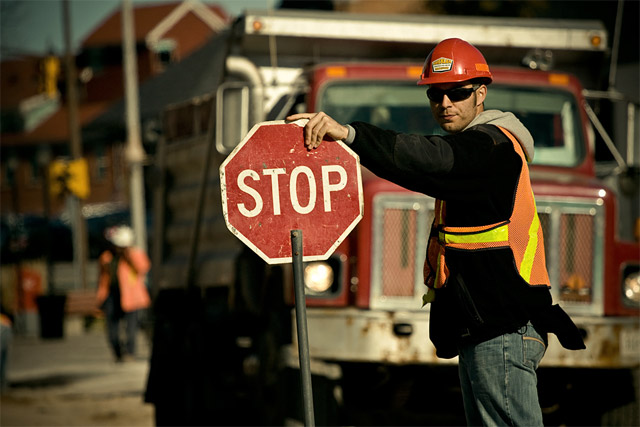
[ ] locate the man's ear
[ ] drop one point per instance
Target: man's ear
(481, 94)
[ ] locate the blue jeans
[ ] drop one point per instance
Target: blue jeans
(113, 317)
(498, 379)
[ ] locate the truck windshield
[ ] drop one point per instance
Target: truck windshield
(550, 115)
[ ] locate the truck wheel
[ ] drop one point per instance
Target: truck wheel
(627, 414)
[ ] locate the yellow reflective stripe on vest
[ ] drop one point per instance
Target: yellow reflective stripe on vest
(532, 247)
(498, 234)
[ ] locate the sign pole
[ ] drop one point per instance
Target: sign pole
(301, 323)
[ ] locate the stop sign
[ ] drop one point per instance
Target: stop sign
(271, 184)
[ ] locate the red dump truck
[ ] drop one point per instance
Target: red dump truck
(369, 343)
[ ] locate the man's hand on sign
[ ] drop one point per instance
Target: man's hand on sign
(319, 126)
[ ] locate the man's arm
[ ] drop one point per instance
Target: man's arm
(451, 166)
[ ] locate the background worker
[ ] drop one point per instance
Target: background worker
(122, 291)
(6, 336)
(491, 304)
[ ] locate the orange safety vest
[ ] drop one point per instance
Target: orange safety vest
(133, 291)
(521, 232)
(5, 320)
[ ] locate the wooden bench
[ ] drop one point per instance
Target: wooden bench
(82, 302)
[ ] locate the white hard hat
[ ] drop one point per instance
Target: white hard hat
(121, 236)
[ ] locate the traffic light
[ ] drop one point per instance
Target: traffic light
(57, 178)
(78, 182)
(72, 176)
(50, 70)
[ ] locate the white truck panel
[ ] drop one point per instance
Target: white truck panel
(354, 335)
(482, 31)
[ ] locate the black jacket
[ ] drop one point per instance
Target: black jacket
(476, 172)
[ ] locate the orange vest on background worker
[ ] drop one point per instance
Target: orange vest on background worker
(522, 233)
(133, 290)
(5, 320)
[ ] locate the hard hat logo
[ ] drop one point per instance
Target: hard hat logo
(442, 65)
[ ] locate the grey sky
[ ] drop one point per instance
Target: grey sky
(35, 26)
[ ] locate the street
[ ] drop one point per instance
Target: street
(74, 381)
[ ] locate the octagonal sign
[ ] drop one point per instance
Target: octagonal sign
(271, 184)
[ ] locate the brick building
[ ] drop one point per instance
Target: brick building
(35, 123)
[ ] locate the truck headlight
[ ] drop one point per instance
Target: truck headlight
(318, 277)
(631, 287)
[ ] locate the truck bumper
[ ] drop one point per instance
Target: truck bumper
(612, 342)
(353, 335)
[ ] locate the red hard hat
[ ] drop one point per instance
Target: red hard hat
(452, 61)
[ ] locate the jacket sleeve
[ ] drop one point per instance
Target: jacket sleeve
(140, 260)
(103, 278)
(462, 165)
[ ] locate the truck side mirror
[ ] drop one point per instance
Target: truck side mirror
(232, 115)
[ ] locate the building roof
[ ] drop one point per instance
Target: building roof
(55, 129)
(198, 74)
(153, 21)
(150, 23)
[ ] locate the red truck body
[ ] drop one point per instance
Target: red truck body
(587, 258)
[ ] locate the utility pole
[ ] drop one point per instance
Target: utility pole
(134, 151)
(75, 205)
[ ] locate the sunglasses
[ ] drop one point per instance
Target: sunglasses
(457, 94)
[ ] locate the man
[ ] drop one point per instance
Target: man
(121, 288)
(485, 267)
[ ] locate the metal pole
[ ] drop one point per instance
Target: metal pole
(631, 134)
(605, 137)
(194, 240)
(613, 67)
(134, 152)
(301, 324)
(44, 160)
(78, 224)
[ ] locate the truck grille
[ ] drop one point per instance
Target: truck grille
(574, 243)
(400, 227)
(573, 233)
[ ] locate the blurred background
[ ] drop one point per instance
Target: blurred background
(35, 114)
(78, 158)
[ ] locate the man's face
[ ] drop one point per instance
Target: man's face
(452, 113)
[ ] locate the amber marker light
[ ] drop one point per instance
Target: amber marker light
(559, 79)
(257, 26)
(336, 71)
(414, 72)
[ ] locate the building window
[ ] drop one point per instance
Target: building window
(9, 168)
(102, 162)
(165, 53)
(14, 171)
(35, 171)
